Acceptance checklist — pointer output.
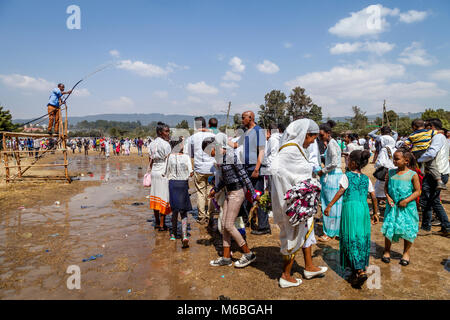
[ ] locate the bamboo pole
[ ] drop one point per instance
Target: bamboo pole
(17, 156)
(2, 152)
(228, 116)
(5, 158)
(38, 166)
(27, 135)
(64, 141)
(34, 162)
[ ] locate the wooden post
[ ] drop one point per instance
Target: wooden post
(17, 155)
(228, 116)
(64, 142)
(5, 158)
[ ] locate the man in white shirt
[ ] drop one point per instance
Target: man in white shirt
(203, 167)
(273, 136)
(430, 199)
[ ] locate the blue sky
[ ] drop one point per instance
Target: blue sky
(192, 57)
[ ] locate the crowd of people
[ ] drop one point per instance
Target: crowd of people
(105, 145)
(232, 174)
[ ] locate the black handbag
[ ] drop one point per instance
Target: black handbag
(380, 173)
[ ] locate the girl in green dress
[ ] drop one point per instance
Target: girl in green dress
(401, 219)
(354, 242)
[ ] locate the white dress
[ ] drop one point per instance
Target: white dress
(159, 150)
(288, 168)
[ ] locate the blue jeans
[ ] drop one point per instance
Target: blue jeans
(430, 200)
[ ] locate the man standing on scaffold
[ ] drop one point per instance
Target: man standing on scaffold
(54, 104)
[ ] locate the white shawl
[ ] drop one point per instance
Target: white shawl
(289, 167)
(383, 159)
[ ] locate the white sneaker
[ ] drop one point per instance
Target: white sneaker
(286, 284)
(309, 275)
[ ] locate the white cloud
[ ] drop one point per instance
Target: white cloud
(416, 55)
(287, 45)
(114, 53)
(161, 94)
(194, 99)
(369, 21)
(231, 76)
(123, 104)
(171, 67)
(201, 88)
(143, 69)
(413, 16)
(268, 67)
(365, 85)
(443, 74)
(378, 48)
(27, 82)
(229, 85)
(81, 92)
(236, 64)
(307, 55)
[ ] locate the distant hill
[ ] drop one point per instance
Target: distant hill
(373, 117)
(174, 119)
(145, 119)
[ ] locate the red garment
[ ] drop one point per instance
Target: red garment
(421, 176)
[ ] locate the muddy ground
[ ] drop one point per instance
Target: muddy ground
(45, 227)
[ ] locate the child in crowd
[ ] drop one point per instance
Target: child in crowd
(178, 171)
(354, 234)
(401, 219)
(234, 178)
(414, 166)
(419, 141)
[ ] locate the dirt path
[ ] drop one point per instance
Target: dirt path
(103, 214)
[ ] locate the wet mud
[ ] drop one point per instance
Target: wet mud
(47, 227)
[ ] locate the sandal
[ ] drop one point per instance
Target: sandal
(404, 262)
(386, 259)
(361, 278)
(324, 238)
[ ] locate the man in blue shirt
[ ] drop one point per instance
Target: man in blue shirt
(253, 143)
(53, 106)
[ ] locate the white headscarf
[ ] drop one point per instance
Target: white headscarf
(383, 159)
(297, 130)
(289, 167)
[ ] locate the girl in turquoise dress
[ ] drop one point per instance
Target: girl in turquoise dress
(330, 176)
(401, 219)
(354, 234)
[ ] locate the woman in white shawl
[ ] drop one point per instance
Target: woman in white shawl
(159, 150)
(289, 167)
(385, 159)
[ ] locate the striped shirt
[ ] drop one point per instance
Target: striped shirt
(234, 177)
(420, 139)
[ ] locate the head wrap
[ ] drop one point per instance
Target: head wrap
(297, 130)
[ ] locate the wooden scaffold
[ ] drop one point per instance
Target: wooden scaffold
(11, 152)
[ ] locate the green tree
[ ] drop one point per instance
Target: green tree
(299, 104)
(441, 114)
(237, 119)
(342, 127)
(359, 121)
(392, 116)
(182, 125)
(274, 109)
(6, 121)
(315, 113)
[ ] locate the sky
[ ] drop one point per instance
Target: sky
(193, 57)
